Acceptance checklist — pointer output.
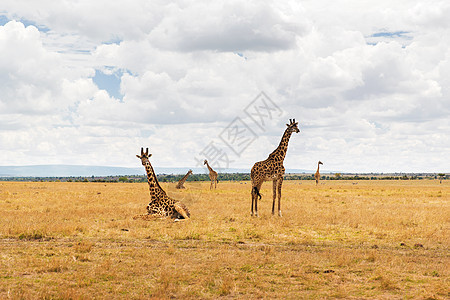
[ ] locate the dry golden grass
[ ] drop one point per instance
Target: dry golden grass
(375, 239)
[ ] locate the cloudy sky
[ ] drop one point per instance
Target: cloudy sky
(90, 82)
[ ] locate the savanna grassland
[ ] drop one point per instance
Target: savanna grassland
(371, 240)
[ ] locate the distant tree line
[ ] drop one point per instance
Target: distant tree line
(229, 177)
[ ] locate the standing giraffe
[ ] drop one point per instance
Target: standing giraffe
(272, 169)
(212, 175)
(160, 204)
(317, 175)
(182, 180)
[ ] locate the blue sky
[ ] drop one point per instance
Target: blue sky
(90, 83)
(390, 34)
(3, 20)
(109, 82)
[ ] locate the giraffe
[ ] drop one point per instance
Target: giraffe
(272, 169)
(160, 204)
(317, 175)
(212, 175)
(182, 180)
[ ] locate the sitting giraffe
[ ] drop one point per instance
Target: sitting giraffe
(212, 175)
(272, 169)
(180, 184)
(317, 175)
(160, 204)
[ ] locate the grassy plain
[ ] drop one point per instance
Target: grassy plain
(370, 240)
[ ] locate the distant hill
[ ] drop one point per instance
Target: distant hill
(65, 171)
(87, 171)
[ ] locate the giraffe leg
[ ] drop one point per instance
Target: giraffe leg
(255, 195)
(280, 182)
(146, 217)
(256, 206)
(274, 195)
(253, 199)
(182, 210)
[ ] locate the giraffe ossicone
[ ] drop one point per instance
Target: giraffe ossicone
(160, 204)
(272, 169)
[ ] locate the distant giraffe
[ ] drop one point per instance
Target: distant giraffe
(212, 175)
(272, 169)
(160, 204)
(182, 180)
(317, 175)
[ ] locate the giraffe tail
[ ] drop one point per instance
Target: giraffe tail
(255, 189)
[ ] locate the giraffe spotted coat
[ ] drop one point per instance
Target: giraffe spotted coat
(271, 169)
(160, 204)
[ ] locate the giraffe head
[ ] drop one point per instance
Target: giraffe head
(293, 126)
(320, 163)
(205, 162)
(190, 172)
(144, 156)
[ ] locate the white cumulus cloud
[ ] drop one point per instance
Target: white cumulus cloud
(367, 81)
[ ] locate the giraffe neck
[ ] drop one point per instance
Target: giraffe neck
(209, 168)
(318, 165)
(182, 180)
(152, 181)
(280, 152)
